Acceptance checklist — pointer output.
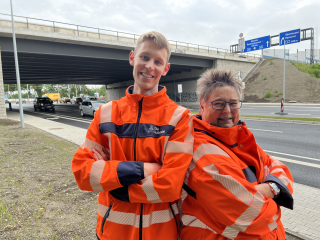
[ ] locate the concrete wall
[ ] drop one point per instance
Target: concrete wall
(3, 112)
(235, 66)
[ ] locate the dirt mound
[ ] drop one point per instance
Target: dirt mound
(268, 78)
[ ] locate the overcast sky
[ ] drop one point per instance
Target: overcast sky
(215, 23)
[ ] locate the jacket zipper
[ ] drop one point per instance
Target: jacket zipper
(136, 129)
(135, 159)
(105, 217)
(174, 217)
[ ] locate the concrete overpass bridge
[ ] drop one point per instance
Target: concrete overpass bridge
(73, 54)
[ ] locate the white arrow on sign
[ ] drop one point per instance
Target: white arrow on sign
(267, 43)
(282, 39)
(254, 48)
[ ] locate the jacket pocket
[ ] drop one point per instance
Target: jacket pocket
(105, 217)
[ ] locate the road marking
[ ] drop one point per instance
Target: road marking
(298, 162)
(291, 155)
(246, 108)
(64, 117)
(265, 130)
(300, 114)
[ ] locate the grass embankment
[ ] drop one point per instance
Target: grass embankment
(39, 198)
(313, 70)
(285, 118)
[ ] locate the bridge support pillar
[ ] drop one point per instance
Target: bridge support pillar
(3, 112)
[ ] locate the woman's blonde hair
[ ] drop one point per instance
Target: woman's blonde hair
(213, 78)
(159, 39)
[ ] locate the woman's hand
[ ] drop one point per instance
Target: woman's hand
(151, 168)
(265, 190)
(100, 154)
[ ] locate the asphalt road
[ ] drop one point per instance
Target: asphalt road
(296, 111)
(297, 145)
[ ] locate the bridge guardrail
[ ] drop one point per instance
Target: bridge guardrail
(177, 46)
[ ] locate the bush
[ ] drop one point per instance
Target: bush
(312, 70)
(268, 94)
(271, 62)
(265, 77)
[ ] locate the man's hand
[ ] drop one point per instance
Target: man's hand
(265, 190)
(100, 154)
(151, 168)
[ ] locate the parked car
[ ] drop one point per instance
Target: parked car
(65, 100)
(89, 107)
(76, 100)
(43, 103)
(23, 101)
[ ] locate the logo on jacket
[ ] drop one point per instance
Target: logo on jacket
(156, 130)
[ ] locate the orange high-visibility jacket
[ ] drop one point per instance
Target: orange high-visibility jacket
(137, 129)
(219, 200)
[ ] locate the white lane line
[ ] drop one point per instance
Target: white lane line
(263, 130)
(298, 162)
(306, 110)
(246, 108)
(300, 114)
(291, 155)
(69, 118)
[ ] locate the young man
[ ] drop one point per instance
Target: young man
(147, 143)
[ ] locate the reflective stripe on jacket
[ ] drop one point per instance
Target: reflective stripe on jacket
(137, 129)
(219, 200)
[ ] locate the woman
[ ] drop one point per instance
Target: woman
(232, 189)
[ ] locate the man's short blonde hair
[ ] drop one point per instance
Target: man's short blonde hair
(213, 79)
(159, 39)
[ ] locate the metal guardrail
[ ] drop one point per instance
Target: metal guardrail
(180, 46)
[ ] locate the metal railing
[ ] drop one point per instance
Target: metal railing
(177, 46)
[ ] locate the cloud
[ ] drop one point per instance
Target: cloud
(215, 23)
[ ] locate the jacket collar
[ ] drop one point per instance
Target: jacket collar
(151, 101)
(227, 135)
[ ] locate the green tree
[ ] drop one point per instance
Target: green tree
(102, 91)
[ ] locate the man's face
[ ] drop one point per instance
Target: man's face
(149, 64)
(226, 117)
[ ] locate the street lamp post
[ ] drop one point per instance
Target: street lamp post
(17, 68)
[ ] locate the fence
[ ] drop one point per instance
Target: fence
(92, 32)
(295, 56)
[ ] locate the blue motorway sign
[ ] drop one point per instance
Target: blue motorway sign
(257, 44)
(290, 37)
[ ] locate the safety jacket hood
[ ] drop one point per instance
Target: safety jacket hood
(238, 138)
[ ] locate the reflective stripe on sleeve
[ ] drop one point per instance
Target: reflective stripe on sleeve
(177, 115)
(231, 184)
(189, 137)
(274, 224)
(190, 168)
(250, 214)
(283, 178)
(147, 187)
(179, 147)
(230, 232)
(106, 111)
(164, 148)
(132, 219)
(89, 144)
(96, 174)
(102, 210)
(192, 221)
(205, 149)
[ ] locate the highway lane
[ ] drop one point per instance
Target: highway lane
(299, 111)
(297, 145)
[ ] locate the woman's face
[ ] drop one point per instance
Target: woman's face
(226, 117)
